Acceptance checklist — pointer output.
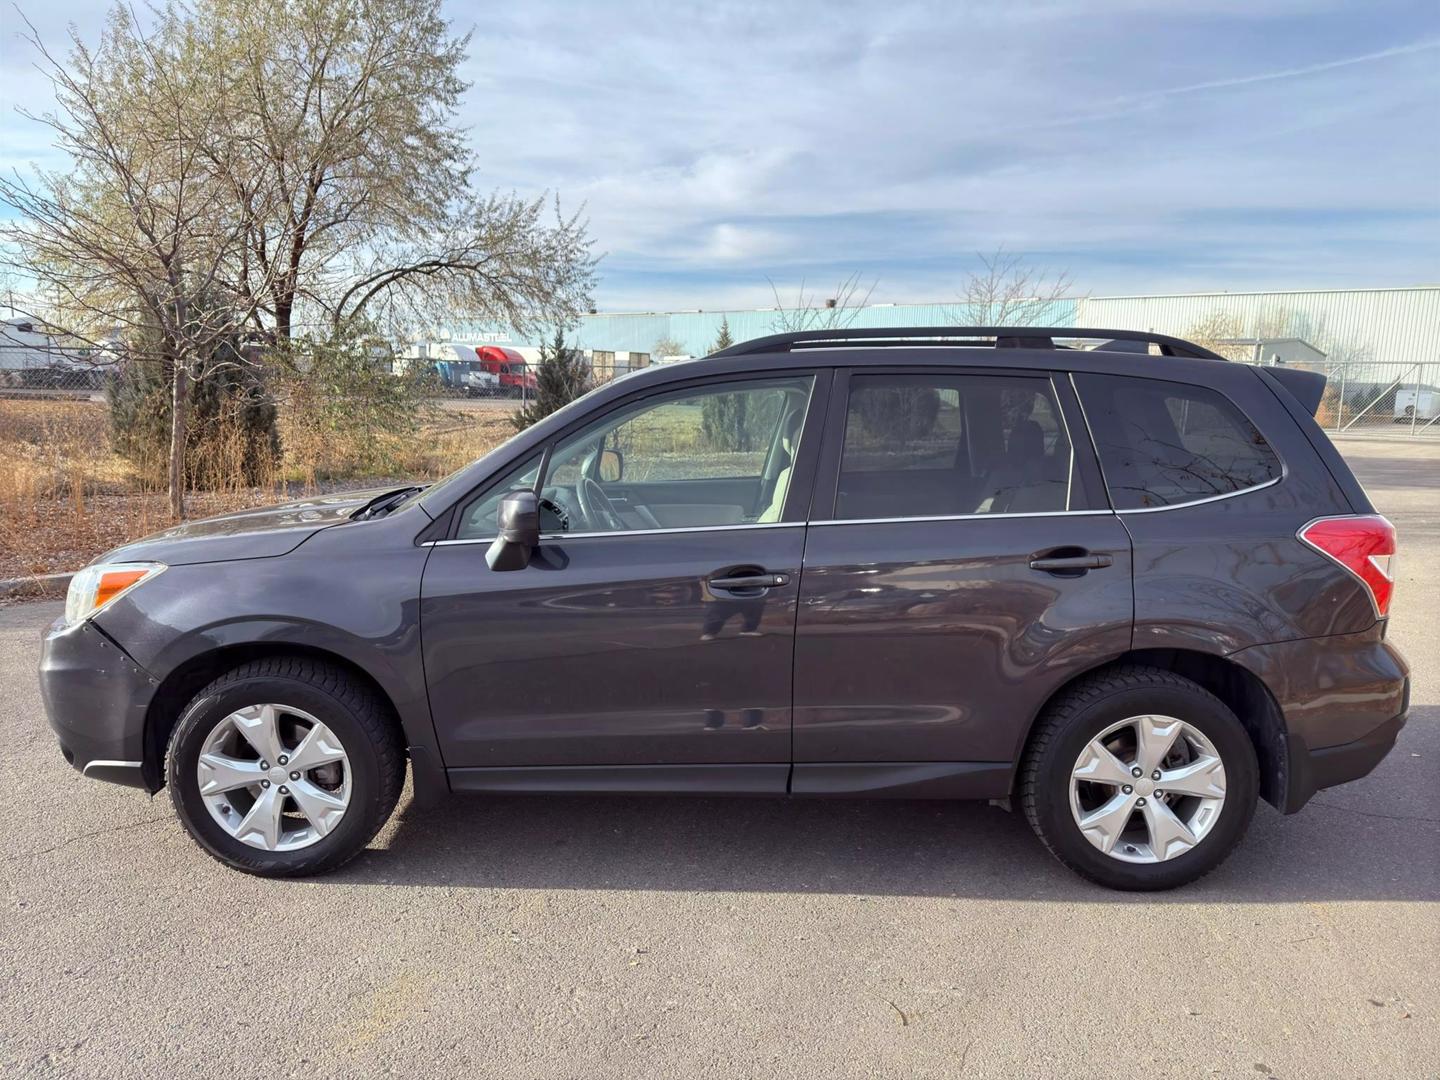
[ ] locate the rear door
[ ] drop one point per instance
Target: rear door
(962, 563)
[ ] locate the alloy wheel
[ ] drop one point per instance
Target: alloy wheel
(1147, 789)
(274, 777)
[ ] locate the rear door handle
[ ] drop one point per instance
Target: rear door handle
(749, 581)
(1072, 562)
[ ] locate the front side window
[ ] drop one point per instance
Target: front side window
(479, 518)
(701, 457)
(946, 445)
(1165, 443)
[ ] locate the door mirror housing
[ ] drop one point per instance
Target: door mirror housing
(612, 466)
(519, 532)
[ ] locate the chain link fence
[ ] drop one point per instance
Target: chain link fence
(1379, 398)
(1363, 397)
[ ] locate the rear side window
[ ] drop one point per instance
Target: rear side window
(949, 445)
(1165, 443)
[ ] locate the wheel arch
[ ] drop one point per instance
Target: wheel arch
(1242, 691)
(182, 683)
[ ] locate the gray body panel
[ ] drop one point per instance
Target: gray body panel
(610, 650)
(936, 641)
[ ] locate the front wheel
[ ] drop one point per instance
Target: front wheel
(1139, 779)
(285, 767)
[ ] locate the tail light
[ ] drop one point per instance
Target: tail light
(1363, 544)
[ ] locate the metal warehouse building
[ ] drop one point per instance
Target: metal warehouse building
(1380, 326)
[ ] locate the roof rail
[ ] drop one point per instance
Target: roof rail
(1005, 337)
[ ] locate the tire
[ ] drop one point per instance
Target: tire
(1108, 701)
(363, 724)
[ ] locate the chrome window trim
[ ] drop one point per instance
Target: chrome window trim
(634, 532)
(1211, 498)
(1069, 441)
(963, 517)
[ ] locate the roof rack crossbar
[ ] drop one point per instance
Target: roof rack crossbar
(1004, 337)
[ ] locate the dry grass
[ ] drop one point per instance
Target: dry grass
(65, 496)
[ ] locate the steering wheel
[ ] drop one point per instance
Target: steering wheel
(596, 505)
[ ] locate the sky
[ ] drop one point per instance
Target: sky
(1143, 146)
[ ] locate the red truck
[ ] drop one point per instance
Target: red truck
(516, 377)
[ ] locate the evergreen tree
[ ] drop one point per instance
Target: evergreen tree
(560, 377)
(723, 340)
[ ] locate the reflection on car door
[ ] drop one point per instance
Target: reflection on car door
(961, 565)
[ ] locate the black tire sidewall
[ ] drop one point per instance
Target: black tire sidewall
(199, 720)
(1197, 708)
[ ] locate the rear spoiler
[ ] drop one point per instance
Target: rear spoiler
(1307, 387)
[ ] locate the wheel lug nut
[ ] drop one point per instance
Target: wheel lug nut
(1127, 789)
(284, 790)
(264, 783)
(264, 764)
(1137, 771)
(1138, 802)
(1153, 776)
(294, 776)
(1159, 794)
(283, 760)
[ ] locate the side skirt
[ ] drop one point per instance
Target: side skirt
(890, 779)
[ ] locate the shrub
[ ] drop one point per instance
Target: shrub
(231, 436)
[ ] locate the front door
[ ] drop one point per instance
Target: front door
(649, 643)
(962, 564)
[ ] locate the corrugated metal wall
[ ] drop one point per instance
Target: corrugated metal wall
(1377, 325)
(696, 331)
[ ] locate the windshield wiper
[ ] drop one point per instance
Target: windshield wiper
(383, 503)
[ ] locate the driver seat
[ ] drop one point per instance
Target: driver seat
(781, 487)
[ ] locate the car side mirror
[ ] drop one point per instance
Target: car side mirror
(519, 532)
(612, 466)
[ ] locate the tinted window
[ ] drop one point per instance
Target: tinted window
(1164, 443)
(935, 445)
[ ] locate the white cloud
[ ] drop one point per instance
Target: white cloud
(1224, 144)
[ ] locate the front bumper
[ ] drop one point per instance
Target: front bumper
(96, 699)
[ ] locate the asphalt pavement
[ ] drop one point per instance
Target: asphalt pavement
(587, 937)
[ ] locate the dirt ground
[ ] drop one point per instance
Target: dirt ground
(65, 497)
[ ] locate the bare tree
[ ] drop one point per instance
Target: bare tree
(1232, 336)
(263, 167)
(356, 187)
(667, 346)
(834, 312)
(124, 241)
(1007, 291)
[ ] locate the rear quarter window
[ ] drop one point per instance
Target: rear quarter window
(1165, 443)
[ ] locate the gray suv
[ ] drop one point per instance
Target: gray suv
(1107, 577)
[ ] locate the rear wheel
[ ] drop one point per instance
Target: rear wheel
(1139, 779)
(285, 767)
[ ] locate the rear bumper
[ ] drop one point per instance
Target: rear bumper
(1312, 770)
(96, 699)
(1343, 700)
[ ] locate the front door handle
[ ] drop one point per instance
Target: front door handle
(749, 581)
(1071, 563)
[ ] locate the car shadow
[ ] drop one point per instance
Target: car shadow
(1349, 844)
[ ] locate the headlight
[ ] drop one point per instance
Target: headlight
(97, 587)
